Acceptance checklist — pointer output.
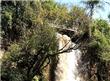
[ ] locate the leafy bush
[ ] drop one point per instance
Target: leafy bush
(25, 59)
(101, 33)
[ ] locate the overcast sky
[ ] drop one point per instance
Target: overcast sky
(99, 14)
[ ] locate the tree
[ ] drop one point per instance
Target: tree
(14, 21)
(109, 17)
(92, 5)
(78, 19)
(28, 39)
(28, 57)
(101, 34)
(25, 26)
(18, 16)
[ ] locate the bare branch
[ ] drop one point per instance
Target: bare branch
(66, 50)
(47, 63)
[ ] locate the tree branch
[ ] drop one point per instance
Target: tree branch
(47, 63)
(66, 50)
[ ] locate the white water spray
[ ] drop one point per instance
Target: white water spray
(66, 69)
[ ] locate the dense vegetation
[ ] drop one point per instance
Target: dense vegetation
(29, 40)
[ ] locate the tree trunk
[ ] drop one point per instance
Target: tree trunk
(90, 26)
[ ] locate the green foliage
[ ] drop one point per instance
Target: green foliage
(29, 56)
(25, 27)
(55, 13)
(41, 37)
(79, 19)
(101, 33)
(9, 64)
(92, 6)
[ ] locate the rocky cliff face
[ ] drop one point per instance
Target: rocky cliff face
(93, 68)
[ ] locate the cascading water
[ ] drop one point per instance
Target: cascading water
(66, 69)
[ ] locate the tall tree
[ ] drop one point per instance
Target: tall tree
(109, 17)
(78, 19)
(92, 5)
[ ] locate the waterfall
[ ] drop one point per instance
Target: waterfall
(67, 67)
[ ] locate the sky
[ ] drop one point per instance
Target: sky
(103, 14)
